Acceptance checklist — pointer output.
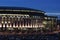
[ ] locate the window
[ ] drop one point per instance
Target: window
(49, 18)
(45, 17)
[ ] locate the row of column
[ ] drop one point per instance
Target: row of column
(20, 22)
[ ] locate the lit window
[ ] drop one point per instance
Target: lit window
(5, 22)
(12, 16)
(2, 22)
(8, 21)
(26, 16)
(44, 22)
(10, 29)
(48, 17)
(35, 17)
(45, 17)
(18, 17)
(36, 26)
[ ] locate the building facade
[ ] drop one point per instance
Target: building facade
(26, 20)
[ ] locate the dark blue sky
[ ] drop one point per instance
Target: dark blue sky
(49, 6)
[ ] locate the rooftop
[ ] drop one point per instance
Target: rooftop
(19, 8)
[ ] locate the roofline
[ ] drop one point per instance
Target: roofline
(51, 16)
(7, 8)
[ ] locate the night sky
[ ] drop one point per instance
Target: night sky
(49, 6)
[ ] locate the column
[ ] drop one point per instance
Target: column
(0, 21)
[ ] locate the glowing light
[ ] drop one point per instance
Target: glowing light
(29, 26)
(45, 17)
(10, 25)
(20, 26)
(8, 21)
(42, 26)
(0, 25)
(35, 26)
(2, 22)
(25, 26)
(13, 26)
(3, 25)
(44, 22)
(5, 22)
(16, 26)
(7, 25)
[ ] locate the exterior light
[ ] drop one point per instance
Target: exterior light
(5, 22)
(2, 22)
(45, 17)
(7, 25)
(14, 26)
(8, 21)
(44, 22)
(3, 25)
(42, 26)
(0, 25)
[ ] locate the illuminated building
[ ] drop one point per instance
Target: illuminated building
(50, 22)
(25, 19)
